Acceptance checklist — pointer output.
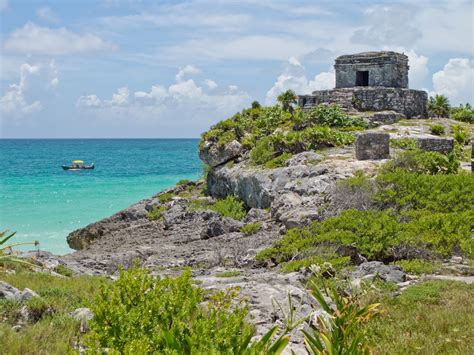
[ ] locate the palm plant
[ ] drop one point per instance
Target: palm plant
(8, 257)
(338, 333)
(439, 105)
(286, 99)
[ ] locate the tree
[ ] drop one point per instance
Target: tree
(256, 104)
(439, 105)
(286, 99)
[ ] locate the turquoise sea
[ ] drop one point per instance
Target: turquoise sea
(41, 201)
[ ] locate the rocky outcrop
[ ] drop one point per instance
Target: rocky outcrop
(214, 154)
(11, 293)
(372, 145)
(296, 193)
(369, 270)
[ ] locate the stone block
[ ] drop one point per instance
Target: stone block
(431, 144)
(384, 117)
(372, 146)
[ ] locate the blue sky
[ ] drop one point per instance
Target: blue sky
(128, 68)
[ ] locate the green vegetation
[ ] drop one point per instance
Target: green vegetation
(434, 317)
(461, 135)
(417, 266)
(228, 207)
(51, 330)
(183, 182)
(404, 143)
(415, 213)
(463, 113)
(250, 228)
(142, 314)
(420, 161)
(165, 197)
(287, 99)
(437, 129)
(340, 332)
(279, 161)
(6, 250)
(270, 132)
(228, 274)
(63, 270)
(156, 213)
(439, 105)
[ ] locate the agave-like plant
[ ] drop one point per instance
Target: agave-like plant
(338, 332)
(8, 257)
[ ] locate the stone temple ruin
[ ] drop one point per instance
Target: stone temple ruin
(371, 81)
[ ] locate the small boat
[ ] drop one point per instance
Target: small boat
(78, 165)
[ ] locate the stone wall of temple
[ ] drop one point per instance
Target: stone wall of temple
(411, 103)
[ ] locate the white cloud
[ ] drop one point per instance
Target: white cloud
(14, 100)
(184, 100)
(294, 78)
(418, 71)
(46, 14)
(456, 81)
(121, 96)
(54, 82)
(89, 101)
(187, 70)
(34, 39)
(211, 84)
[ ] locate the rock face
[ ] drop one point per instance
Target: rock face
(373, 146)
(390, 273)
(11, 293)
(442, 145)
(384, 117)
(214, 154)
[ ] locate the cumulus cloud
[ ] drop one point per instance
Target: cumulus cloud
(294, 78)
(389, 24)
(188, 69)
(184, 99)
(418, 71)
(14, 100)
(211, 84)
(34, 39)
(46, 14)
(456, 81)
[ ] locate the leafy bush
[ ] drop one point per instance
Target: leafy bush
(230, 207)
(228, 274)
(165, 197)
(279, 161)
(156, 213)
(63, 270)
(437, 129)
(334, 116)
(416, 266)
(404, 143)
(419, 161)
(183, 182)
(139, 313)
(250, 228)
(463, 113)
(263, 151)
(461, 135)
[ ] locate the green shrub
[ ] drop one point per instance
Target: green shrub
(318, 137)
(156, 213)
(230, 207)
(419, 161)
(63, 270)
(463, 113)
(165, 197)
(461, 135)
(250, 228)
(437, 129)
(139, 313)
(263, 151)
(225, 274)
(417, 266)
(334, 116)
(404, 143)
(279, 161)
(436, 193)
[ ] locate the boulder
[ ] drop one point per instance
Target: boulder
(214, 154)
(82, 314)
(9, 292)
(442, 145)
(384, 117)
(27, 294)
(217, 226)
(372, 146)
(371, 269)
